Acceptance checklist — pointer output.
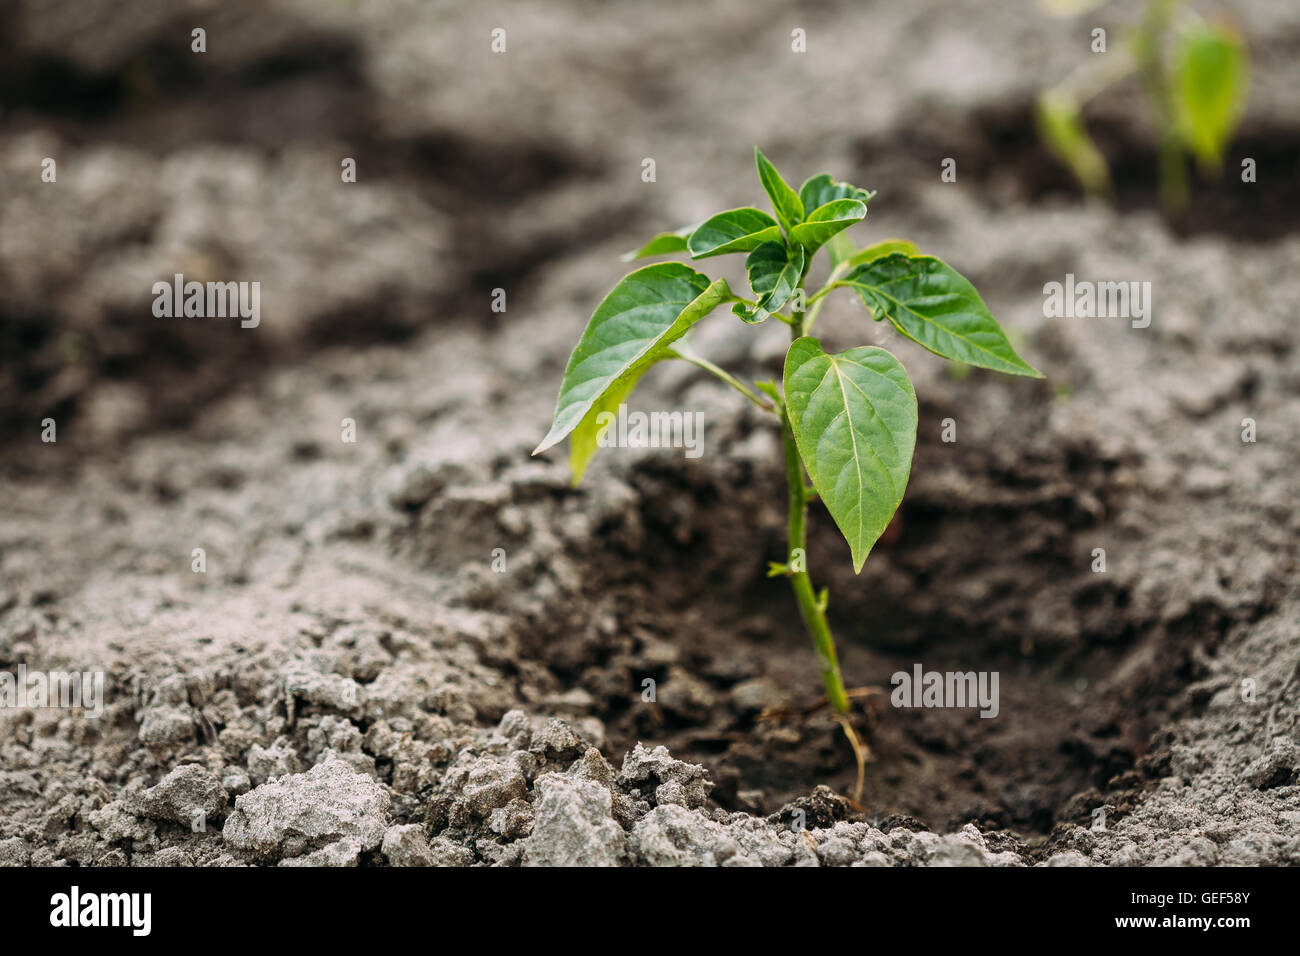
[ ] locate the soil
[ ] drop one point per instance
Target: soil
(351, 662)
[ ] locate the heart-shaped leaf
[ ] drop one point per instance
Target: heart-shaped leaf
(785, 201)
(932, 304)
(820, 189)
(736, 230)
(629, 331)
(664, 244)
(825, 221)
(774, 270)
(853, 415)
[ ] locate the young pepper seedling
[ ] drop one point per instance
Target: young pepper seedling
(1194, 74)
(847, 418)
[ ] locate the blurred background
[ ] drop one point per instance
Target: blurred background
(522, 171)
(479, 170)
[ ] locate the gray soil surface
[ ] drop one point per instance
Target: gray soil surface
(350, 681)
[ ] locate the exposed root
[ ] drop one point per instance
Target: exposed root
(860, 753)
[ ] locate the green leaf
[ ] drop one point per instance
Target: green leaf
(825, 221)
(785, 201)
(630, 330)
(883, 248)
(771, 391)
(853, 415)
(1062, 129)
(820, 189)
(932, 304)
(664, 244)
(736, 230)
(774, 272)
(1209, 90)
(585, 439)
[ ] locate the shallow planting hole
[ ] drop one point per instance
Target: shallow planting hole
(989, 585)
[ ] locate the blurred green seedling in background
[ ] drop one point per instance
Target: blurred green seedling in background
(1194, 74)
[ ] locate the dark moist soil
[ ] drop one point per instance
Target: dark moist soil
(1000, 150)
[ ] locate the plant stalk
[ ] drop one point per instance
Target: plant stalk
(699, 361)
(814, 617)
(812, 610)
(1151, 70)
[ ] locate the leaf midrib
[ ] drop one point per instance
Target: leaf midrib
(853, 437)
(853, 433)
(874, 410)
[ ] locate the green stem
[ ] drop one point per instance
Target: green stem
(815, 303)
(812, 610)
(1149, 54)
(684, 351)
(814, 618)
